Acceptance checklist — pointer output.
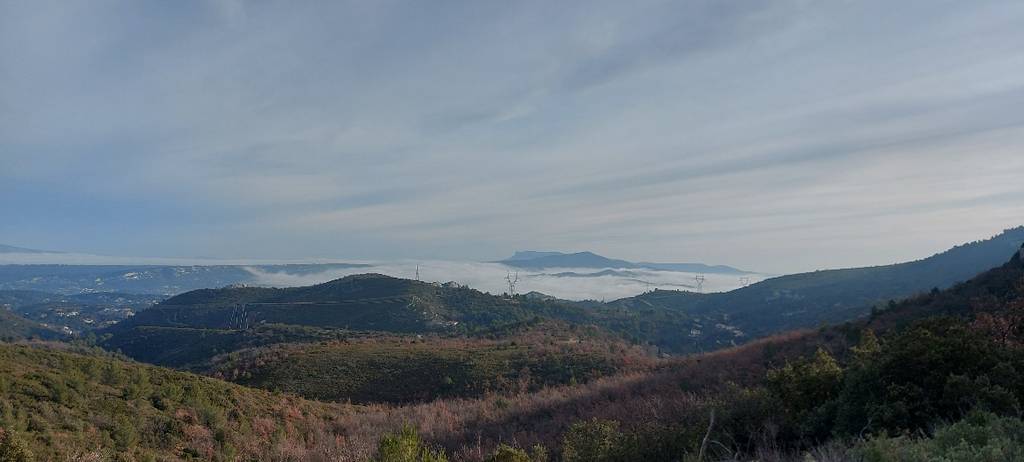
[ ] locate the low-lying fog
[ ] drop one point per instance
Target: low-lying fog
(567, 283)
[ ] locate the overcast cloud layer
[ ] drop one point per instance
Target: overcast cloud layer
(776, 136)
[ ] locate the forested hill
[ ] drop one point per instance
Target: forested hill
(193, 327)
(839, 384)
(360, 302)
(997, 292)
(809, 299)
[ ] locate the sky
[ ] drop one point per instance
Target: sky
(774, 136)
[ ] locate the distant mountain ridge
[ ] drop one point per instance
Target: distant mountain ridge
(830, 296)
(541, 260)
(13, 249)
(531, 254)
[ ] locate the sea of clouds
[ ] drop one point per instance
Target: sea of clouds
(487, 277)
(491, 277)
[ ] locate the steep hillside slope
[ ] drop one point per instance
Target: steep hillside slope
(776, 398)
(997, 292)
(810, 299)
(14, 327)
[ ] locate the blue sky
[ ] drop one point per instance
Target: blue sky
(778, 136)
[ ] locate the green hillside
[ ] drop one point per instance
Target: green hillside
(14, 327)
(397, 370)
(88, 406)
(188, 347)
(193, 327)
(360, 302)
(216, 321)
(941, 380)
(831, 296)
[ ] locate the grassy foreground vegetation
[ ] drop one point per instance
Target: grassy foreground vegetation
(63, 405)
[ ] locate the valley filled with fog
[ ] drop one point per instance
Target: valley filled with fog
(571, 283)
(565, 283)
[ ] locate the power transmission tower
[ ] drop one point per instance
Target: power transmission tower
(512, 280)
(240, 318)
(700, 281)
(417, 273)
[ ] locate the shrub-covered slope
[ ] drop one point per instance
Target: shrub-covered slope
(14, 327)
(810, 299)
(397, 370)
(838, 393)
(361, 302)
(193, 327)
(66, 405)
(841, 393)
(217, 321)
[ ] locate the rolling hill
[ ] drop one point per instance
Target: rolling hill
(393, 369)
(941, 378)
(216, 321)
(830, 296)
(936, 370)
(358, 302)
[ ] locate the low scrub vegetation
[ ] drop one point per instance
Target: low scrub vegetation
(939, 377)
(59, 405)
(411, 369)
